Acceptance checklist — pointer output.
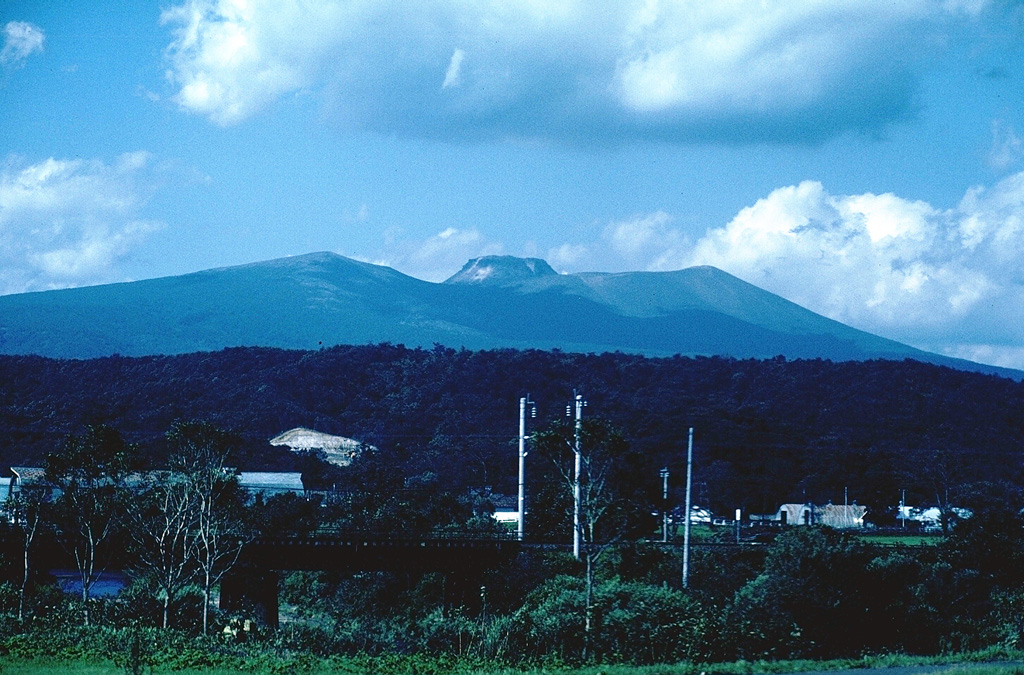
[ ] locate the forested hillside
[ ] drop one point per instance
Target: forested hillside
(765, 431)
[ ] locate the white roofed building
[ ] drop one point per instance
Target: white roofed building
(270, 483)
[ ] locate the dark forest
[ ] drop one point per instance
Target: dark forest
(766, 432)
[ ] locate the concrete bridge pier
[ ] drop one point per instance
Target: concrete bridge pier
(253, 592)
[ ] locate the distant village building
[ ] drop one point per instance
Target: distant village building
(698, 514)
(929, 518)
(25, 477)
(842, 516)
(267, 484)
(338, 450)
(506, 508)
(839, 516)
(795, 514)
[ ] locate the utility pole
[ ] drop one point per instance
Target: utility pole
(846, 508)
(577, 495)
(686, 527)
(523, 402)
(903, 508)
(664, 505)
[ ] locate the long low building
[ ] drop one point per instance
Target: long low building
(270, 483)
(839, 516)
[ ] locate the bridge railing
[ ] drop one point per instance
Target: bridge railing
(329, 531)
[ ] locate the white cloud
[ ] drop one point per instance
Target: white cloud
(453, 76)
(570, 257)
(68, 222)
(646, 242)
(1006, 146)
(649, 242)
(230, 58)
(796, 70)
(1004, 356)
(439, 256)
(944, 280)
(20, 40)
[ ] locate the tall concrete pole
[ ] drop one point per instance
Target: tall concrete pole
(664, 505)
(523, 402)
(577, 495)
(686, 527)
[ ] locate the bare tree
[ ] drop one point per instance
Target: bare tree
(89, 474)
(162, 526)
(199, 453)
(26, 507)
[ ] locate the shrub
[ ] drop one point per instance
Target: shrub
(633, 622)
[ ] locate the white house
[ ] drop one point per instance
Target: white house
(506, 508)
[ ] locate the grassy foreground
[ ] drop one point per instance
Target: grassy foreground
(984, 663)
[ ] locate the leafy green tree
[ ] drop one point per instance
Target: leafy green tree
(811, 586)
(604, 511)
(640, 623)
(90, 474)
(979, 595)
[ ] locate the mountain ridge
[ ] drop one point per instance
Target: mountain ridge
(321, 299)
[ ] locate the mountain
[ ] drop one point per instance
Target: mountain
(323, 299)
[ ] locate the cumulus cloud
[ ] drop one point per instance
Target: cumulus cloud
(20, 40)
(946, 280)
(230, 58)
(68, 222)
(799, 70)
(437, 257)
(571, 257)
(647, 241)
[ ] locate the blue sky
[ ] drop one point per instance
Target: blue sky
(864, 159)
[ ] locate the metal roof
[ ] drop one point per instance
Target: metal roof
(270, 481)
(29, 474)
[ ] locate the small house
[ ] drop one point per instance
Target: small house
(26, 477)
(506, 508)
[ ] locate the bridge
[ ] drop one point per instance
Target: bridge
(253, 582)
(395, 552)
(462, 558)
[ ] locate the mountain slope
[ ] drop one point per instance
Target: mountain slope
(323, 299)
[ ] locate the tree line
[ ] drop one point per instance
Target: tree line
(813, 592)
(439, 428)
(767, 431)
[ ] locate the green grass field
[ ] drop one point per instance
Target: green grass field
(905, 540)
(973, 664)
